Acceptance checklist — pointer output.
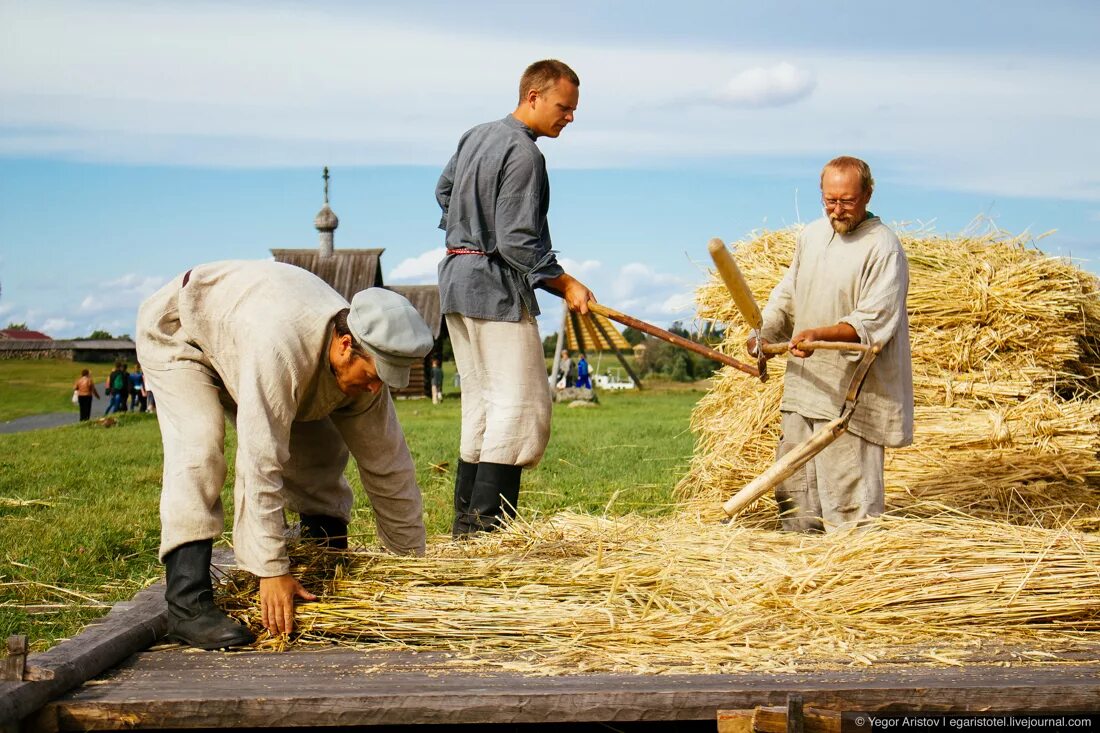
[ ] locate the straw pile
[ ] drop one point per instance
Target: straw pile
(1006, 372)
(685, 594)
(985, 562)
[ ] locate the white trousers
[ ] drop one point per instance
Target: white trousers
(193, 408)
(506, 403)
(840, 487)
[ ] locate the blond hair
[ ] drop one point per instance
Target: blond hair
(542, 75)
(848, 163)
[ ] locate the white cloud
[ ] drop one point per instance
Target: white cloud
(161, 83)
(679, 305)
(639, 283)
(580, 269)
(772, 86)
(56, 325)
(126, 292)
(420, 269)
(635, 289)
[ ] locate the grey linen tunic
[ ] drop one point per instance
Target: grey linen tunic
(258, 332)
(494, 194)
(861, 279)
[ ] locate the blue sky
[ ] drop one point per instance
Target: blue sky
(139, 139)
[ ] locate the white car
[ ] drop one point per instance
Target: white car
(612, 380)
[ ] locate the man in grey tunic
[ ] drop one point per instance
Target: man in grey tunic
(303, 375)
(848, 281)
(495, 194)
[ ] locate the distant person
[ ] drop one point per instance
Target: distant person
(565, 371)
(848, 281)
(117, 382)
(583, 381)
(494, 194)
(305, 378)
(437, 382)
(85, 389)
(139, 399)
(125, 401)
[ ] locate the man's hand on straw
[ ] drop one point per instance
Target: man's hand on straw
(277, 596)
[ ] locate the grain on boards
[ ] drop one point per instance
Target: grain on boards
(987, 554)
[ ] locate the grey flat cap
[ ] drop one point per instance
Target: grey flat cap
(388, 327)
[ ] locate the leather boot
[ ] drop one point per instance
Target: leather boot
(326, 531)
(495, 495)
(193, 618)
(464, 486)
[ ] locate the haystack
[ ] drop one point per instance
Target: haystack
(1005, 368)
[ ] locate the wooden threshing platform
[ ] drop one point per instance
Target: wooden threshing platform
(108, 678)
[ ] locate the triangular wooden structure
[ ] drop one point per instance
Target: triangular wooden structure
(580, 338)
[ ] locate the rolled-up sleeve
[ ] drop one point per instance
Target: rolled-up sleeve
(881, 301)
(373, 435)
(523, 238)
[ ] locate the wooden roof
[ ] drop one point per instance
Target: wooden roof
(578, 337)
(347, 270)
(425, 298)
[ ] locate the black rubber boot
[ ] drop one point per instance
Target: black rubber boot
(193, 618)
(495, 495)
(327, 531)
(464, 486)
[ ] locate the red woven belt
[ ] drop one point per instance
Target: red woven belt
(465, 252)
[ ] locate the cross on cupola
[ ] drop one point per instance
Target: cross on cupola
(326, 222)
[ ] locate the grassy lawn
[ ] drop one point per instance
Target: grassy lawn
(78, 504)
(32, 387)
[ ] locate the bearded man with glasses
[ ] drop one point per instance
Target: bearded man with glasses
(848, 281)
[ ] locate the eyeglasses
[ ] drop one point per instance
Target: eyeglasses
(846, 204)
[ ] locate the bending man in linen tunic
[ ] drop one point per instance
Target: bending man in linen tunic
(303, 375)
(848, 281)
(494, 194)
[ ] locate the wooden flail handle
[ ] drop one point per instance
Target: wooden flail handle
(783, 348)
(671, 338)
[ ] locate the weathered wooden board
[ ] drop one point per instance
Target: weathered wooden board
(129, 627)
(174, 688)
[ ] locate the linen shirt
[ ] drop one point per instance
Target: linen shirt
(861, 279)
(494, 194)
(263, 330)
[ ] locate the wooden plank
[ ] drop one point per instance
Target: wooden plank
(795, 721)
(735, 721)
(176, 688)
(129, 627)
(778, 720)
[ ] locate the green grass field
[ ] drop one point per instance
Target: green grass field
(33, 387)
(78, 505)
